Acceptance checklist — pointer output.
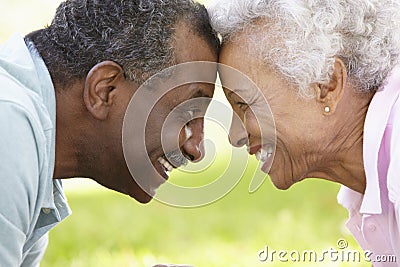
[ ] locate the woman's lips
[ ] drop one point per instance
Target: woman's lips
(265, 155)
(254, 149)
(266, 165)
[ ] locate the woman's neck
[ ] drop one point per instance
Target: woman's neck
(343, 160)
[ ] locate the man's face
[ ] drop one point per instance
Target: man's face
(173, 130)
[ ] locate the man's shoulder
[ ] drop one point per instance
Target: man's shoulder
(15, 94)
(11, 90)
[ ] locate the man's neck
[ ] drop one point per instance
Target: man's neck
(67, 133)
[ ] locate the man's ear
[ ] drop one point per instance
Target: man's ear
(329, 94)
(98, 93)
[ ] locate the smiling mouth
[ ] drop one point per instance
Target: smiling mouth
(265, 156)
(169, 162)
(264, 153)
(167, 167)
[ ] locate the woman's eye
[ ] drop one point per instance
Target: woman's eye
(242, 105)
(239, 101)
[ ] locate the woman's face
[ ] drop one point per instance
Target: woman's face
(299, 122)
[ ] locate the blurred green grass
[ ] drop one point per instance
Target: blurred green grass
(108, 229)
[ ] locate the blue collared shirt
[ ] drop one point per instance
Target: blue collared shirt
(31, 202)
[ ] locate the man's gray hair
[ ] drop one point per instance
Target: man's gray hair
(302, 38)
(137, 34)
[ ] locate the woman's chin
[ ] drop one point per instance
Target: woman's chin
(280, 176)
(279, 182)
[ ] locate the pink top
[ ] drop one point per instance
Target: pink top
(374, 218)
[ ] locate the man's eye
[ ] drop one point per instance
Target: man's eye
(189, 115)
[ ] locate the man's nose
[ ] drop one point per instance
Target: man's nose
(238, 135)
(193, 147)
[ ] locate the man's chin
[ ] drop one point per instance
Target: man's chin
(141, 196)
(132, 190)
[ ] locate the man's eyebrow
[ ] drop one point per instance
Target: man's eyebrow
(199, 93)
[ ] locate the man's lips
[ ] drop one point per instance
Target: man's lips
(164, 167)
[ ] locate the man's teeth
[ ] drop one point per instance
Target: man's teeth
(264, 154)
(166, 164)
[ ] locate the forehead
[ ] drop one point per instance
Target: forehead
(241, 46)
(252, 43)
(189, 95)
(254, 73)
(240, 66)
(190, 46)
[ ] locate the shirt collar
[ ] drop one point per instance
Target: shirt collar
(17, 61)
(46, 91)
(374, 128)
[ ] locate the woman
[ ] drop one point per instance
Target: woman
(328, 72)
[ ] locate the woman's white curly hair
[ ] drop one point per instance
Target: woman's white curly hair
(364, 34)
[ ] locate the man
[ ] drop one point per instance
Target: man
(64, 91)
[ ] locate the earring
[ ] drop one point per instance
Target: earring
(327, 109)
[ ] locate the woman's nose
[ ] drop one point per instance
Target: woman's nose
(238, 135)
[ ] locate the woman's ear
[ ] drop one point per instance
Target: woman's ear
(329, 94)
(100, 83)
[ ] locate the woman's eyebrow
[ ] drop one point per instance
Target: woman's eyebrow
(237, 91)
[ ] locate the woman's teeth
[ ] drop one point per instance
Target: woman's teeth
(264, 154)
(166, 164)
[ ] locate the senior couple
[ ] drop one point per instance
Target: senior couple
(326, 68)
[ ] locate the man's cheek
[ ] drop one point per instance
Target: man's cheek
(173, 136)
